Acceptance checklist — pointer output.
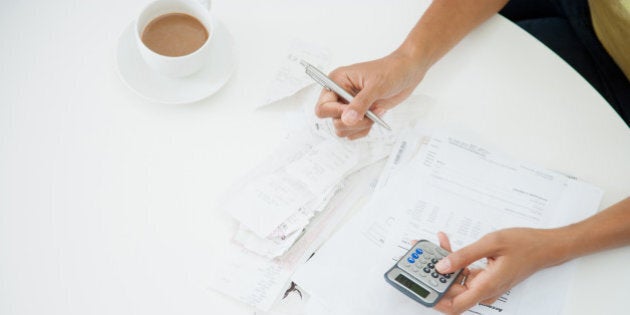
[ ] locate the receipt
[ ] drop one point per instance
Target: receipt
(324, 165)
(291, 76)
(259, 281)
(287, 233)
(266, 201)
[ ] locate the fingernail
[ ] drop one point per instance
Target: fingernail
(443, 265)
(350, 117)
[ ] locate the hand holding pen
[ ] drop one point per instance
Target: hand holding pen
(379, 85)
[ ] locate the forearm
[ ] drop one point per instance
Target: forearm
(607, 229)
(443, 25)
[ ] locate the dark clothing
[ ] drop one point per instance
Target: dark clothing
(565, 27)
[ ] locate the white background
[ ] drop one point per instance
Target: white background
(106, 200)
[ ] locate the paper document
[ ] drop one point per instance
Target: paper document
(290, 77)
(259, 281)
(453, 185)
(293, 200)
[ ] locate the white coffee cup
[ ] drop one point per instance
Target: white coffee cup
(179, 66)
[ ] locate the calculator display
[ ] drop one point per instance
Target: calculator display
(412, 286)
(414, 274)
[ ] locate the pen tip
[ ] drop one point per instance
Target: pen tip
(304, 63)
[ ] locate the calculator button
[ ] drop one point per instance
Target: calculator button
(429, 251)
(448, 275)
(430, 265)
(418, 251)
(427, 269)
(415, 256)
(434, 274)
(411, 260)
(434, 260)
(442, 279)
(433, 282)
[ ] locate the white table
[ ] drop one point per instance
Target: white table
(106, 200)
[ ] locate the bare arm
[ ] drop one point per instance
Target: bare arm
(383, 83)
(443, 25)
(607, 229)
(514, 254)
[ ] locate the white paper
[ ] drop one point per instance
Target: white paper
(462, 188)
(291, 76)
(287, 233)
(259, 281)
(265, 202)
(323, 165)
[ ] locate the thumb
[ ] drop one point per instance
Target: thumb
(462, 258)
(359, 106)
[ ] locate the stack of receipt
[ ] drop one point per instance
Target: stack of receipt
(278, 203)
(287, 205)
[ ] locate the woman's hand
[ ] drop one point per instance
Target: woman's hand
(512, 256)
(378, 85)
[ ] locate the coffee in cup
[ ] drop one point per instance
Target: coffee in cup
(173, 36)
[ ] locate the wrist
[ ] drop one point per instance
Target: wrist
(562, 245)
(412, 61)
(414, 55)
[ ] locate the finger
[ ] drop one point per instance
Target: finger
(461, 279)
(379, 111)
(466, 300)
(491, 300)
(360, 104)
(465, 272)
(360, 134)
(466, 256)
(342, 130)
(445, 305)
(329, 110)
(328, 105)
(444, 241)
(361, 126)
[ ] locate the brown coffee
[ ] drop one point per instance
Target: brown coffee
(174, 34)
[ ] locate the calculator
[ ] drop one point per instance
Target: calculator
(415, 274)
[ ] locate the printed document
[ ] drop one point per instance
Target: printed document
(445, 183)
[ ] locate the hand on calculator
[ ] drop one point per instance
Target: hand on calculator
(512, 255)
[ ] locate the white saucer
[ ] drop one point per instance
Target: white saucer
(149, 84)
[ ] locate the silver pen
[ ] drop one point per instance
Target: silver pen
(330, 85)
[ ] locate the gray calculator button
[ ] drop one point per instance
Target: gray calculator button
(427, 269)
(434, 260)
(435, 274)
(430, 265)
(429, 251)
(442, 279)
(433, 282)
